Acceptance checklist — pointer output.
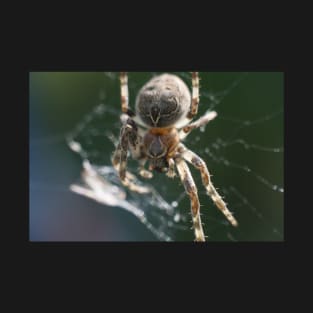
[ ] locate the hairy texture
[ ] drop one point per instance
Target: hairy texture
(198, 163)
(163, 101)
(192, 192)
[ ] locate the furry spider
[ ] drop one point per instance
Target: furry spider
(162, 120)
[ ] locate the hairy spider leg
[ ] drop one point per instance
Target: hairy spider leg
(128, 136)
(195, 95)
(198, 163)
(144, 172)
(124, 91)
(202, 121)
(171, 168)
(191, 190)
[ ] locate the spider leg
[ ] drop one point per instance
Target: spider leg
(124, 91)
(198, 163)
(195, 95)
(128, 137)
(192, 192)
(171, 168)
(142, 171)
(203, 120)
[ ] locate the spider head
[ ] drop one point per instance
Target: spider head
(163, 101)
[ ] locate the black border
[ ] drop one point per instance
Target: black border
(253, 38)
(223, 255)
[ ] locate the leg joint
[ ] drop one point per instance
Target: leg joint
(189, 186)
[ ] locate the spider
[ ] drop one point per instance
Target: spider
(163, 115)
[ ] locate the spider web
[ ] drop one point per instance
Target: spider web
(94, 140)
(227, 151)
(243, 149)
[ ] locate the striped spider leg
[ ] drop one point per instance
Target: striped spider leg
(191, 190)
(199, 164)
(128, 139)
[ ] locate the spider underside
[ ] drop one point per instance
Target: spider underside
(154, 132)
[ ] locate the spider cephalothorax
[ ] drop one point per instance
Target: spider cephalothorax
(164, 110)
(160, 145)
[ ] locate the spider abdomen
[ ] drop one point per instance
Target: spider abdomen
(163, 101)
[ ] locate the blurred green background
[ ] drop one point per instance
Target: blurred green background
(59, 101)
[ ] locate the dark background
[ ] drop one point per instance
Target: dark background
(59, 101)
